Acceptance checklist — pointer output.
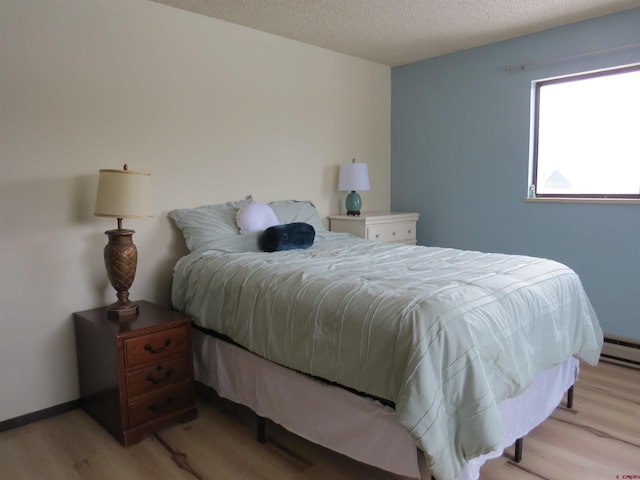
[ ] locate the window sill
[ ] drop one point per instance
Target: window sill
(604, 201)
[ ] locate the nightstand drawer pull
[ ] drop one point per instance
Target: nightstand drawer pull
(163, 406)
(157, 381)
(149, 348)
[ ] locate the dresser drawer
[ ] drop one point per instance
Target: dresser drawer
(158, 375)
(155, 347)
(164, 402)
(392, 232)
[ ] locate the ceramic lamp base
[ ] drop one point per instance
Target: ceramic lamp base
(353, 203)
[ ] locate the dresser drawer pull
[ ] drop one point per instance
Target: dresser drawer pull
(156, 381)
(149, 348)
(163, 406)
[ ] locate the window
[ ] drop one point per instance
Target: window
(587, 135)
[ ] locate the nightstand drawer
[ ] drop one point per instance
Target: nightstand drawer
(155, 347)
(158, 376)
(156, 406)
(392, 232)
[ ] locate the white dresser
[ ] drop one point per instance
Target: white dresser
(380, 226)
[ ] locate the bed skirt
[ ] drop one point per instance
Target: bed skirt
(359, 427)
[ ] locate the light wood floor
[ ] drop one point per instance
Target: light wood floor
(598, 440)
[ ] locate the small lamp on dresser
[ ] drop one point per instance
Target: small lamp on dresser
(122, 194)
(353, 176)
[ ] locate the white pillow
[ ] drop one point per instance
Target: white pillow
(290, 211)
(255, 217)
(202, 225)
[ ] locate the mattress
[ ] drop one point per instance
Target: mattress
(445, 334)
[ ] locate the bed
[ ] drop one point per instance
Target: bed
(451, 339)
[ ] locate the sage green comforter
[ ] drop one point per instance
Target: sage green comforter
(445, 334)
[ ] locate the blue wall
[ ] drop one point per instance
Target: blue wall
(460, 129)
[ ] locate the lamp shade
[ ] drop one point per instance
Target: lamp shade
(353, 176)
(123, 194)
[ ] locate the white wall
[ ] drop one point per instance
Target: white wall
(213, 110)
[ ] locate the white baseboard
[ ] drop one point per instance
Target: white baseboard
(625, 351)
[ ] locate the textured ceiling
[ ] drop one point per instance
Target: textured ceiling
(395, 32)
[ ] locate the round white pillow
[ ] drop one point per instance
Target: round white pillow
(255, 217)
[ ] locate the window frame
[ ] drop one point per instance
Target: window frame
(533, 186)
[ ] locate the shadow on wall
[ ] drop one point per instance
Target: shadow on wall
(51, 218)
(162, 273)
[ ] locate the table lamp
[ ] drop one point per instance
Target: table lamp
(353, 176)
(122, 194)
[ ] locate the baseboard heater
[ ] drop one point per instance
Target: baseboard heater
(625, 351)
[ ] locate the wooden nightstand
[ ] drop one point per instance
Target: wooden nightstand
(135, 375)
(380, 226)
